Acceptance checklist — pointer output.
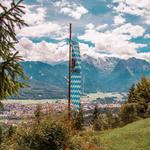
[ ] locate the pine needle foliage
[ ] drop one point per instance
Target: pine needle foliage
(11, 72)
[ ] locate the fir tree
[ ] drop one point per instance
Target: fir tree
(140, 95)
(11, 72)
(143, 90)
(132, 95)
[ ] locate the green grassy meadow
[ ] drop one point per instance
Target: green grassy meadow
(134, 136)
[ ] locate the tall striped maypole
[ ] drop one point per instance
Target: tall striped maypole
(69, 81)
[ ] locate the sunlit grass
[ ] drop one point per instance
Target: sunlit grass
(134, 136)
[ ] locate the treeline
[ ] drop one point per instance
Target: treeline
(137, 106)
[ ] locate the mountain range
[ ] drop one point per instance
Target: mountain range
(109, 74)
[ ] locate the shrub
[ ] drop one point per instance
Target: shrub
(79, 142)
(49, 134)
(109, 118)
(115, 121)
(98, 123)
(78, 120)
(38, 113)
(128, 112)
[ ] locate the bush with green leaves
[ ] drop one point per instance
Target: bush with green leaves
(128, 113)
(98, 123)
(49, 134)
(77, 120)
(81, 141)
(109, 118)
(77, 143)
(97, 120)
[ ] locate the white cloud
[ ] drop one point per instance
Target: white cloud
(145, 56)
(71, 9)
(43, 51)
(101, 27)
(131, 31)
(45, 29)
(118, 20)
(135, 7)
(115, 41)
(124, 8)
(6, 3)
(48, 52)
(147, 36)
(91, 26)
(55, 52)
(147, 19)
(137, 3)
(34, 15)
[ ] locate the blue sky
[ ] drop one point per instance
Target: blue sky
(104, 28)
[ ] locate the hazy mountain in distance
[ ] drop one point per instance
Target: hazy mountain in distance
(108, 74)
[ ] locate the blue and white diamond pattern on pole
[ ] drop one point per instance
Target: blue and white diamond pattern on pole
(75, 88)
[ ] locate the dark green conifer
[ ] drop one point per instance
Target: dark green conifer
(132, 95)
(11, 72)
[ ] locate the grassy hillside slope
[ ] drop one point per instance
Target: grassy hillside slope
(134, 136)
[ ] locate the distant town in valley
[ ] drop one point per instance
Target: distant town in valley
(15, 111)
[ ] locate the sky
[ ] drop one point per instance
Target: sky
(104, 28)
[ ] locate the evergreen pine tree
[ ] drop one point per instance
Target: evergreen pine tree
(143, 90)
(132, 95)
(10, 69)
(139, 96)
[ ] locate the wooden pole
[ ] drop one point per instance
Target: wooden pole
(69, 81)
